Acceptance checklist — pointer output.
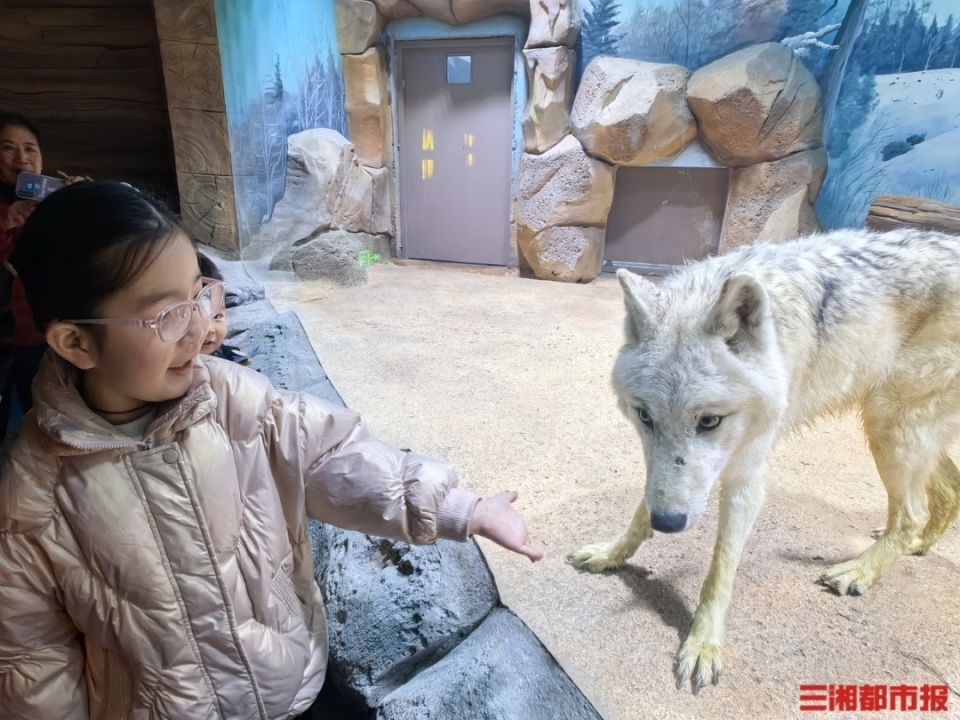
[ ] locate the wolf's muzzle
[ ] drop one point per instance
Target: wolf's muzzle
(668, 523)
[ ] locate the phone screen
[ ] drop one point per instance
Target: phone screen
(31, 186)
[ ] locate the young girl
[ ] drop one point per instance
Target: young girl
(154, 560)
(213, 343)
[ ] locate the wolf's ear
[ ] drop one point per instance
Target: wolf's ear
(739, 314)
(638, 295)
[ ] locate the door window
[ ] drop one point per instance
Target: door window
(458, 69)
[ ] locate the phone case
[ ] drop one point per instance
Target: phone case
(31, 186)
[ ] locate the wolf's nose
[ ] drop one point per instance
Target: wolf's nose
(668, 523)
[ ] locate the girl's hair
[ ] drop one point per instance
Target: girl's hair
(207, 267)
(86, 242)
(7, 119)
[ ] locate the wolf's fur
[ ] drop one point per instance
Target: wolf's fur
(768, 338)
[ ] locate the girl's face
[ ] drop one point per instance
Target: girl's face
(132, 366)
(19, 150)
(216, 333)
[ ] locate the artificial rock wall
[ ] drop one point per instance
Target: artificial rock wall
(757, 110)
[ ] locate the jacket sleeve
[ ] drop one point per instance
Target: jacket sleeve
(41, 656)
(353, 480)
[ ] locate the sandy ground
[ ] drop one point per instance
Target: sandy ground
(508, 380)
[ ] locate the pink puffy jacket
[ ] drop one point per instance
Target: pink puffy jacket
(171, 576)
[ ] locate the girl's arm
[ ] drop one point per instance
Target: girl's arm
(324, 460)
(41, 653)
(353, 480)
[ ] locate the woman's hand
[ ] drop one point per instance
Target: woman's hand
(71, 179)
(17, 214)
(495, 519)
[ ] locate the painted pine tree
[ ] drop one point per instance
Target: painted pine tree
(598, 31)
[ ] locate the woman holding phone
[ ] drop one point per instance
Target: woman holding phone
(19, 151)
(21, 344)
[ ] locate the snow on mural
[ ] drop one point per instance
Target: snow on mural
(889, 71)
(281, 75)
(895, 129)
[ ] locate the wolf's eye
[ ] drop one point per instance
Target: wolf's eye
(644, 416)
(709, 422)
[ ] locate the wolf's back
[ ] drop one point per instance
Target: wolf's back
(850, 308)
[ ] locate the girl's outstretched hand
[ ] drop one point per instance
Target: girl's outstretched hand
(495, 519)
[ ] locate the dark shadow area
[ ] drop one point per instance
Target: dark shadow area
(658, 595)
(336, 703)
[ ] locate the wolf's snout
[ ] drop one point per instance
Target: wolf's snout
(668, 522)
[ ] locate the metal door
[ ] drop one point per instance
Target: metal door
(456, 138)
(664, 216)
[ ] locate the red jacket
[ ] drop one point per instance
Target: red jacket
(25, 331)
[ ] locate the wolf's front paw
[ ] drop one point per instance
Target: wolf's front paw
(917, 546)
(596, 558)
(850, 578)
(698, 662)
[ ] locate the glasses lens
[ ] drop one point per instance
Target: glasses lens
(210, 300)
(174, 322)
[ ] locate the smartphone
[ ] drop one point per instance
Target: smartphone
(31, 186)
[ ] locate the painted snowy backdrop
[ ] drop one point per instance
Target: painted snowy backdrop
(896, 126)
(281, 75)
(889, 71)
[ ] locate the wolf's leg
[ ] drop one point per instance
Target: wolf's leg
(906, 451)
(605, 556)
(943, 501)
(699, 658)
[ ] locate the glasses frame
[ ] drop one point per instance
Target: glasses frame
(154, 322)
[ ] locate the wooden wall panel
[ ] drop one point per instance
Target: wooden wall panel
(191, 65)
(88, 72)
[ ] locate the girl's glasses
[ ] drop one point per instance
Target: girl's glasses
(173, 322)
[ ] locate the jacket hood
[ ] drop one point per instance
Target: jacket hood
(65, 418)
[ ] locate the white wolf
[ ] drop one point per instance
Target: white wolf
(730, 353)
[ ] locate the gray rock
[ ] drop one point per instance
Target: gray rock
(364, 202)
(338, 256)
(241, 288)
(283, 260)
(278, 345)
(332, 256)
(314, 178)
(500, 672)
(282, 350)
(394, 608)
(326, 187)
